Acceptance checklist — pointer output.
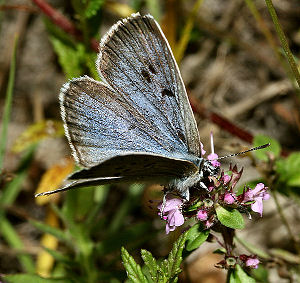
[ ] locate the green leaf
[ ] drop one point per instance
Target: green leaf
(134, 271)
(260, 274)
(92, 8)
(11, 236)
(71, 59)
(29, 278)
(59, 257)
(196, 237)
(52, 231)
(288, 170)
(231, 218)
(274, 147)
(151, 263)
(171, 266)
(240, 276)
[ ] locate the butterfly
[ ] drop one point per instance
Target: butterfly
(136, 124)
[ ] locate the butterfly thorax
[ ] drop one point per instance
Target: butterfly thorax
(196, 181)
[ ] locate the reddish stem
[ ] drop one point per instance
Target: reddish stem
(63, 22)
(220, 121)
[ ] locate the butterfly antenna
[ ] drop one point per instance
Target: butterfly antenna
(243, 152)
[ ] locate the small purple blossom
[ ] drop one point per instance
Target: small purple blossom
(250, 260)
(208, 223)
(213, 159)
(226, 179)
(258, 194)
(229, 198)
(171, 212)
(202, 149)
(202, 215)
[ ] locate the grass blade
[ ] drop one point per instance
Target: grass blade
(283, 41)
(8, 104)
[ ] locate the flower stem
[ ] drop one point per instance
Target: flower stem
(228, 235)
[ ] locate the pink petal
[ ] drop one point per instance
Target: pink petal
(252, 262)
(202, 150)
(212, 156)
(202, 215)
(229, 198)
(257, 206)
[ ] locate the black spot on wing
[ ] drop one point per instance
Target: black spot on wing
(152, 70)
(167, 92)
(181, 135)
(146, 75)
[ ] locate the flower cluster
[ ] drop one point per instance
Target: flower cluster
(213, 192)
(220, 190)
(249, 261)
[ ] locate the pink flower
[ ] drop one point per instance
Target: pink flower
(202, 149)
(213, 159)
(229, 198)
(202, 215)
(258, 194)
(171, 212)
(226, 179)
(209, 223)
(250, 260)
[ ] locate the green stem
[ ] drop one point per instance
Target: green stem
(283, 41)
(8, 103)
(186, 34)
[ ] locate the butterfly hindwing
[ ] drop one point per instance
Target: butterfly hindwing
(139, 166)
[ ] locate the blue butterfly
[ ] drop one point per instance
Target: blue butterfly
(136, 124)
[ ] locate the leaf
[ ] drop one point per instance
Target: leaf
(52, 231)
(37, 132)
(240, 276)
(274, 147)
(196, 237)
(261, 274)
(134, 271)
(28, 278)
(231, 218)
(93, 7)
(71, 59)
(288, 170)
(52, 179)
(150, 262)
(11, 236)
(172, 265)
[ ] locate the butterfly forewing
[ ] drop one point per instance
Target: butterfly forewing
(135, 59)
